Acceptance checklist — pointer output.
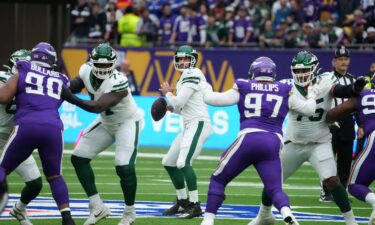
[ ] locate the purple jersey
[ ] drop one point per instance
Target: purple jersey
(182, 28)
(263, 105)
(240, 28)
(165, 30)
(366, 110)
(38, 95)
(198, 23)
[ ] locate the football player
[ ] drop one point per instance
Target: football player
(263, 104)
(308, 138)
(27, 170)
(37, 124)
(3, 190)
(362, 174)
(120, 120)
(188, 102)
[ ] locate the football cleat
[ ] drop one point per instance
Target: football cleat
(97, 213)
(263, 220)
(128, 217)
(290, 221)
(372, 218)
(68, 221)
(178, 207)
(207, 222)
(20, 215)
(191, 211)
(325, 196)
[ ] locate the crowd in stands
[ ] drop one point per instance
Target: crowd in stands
(226, 23)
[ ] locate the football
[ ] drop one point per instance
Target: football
(158, 109)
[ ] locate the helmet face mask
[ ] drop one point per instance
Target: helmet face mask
(103, 58)
(304, 67)
(185, 58)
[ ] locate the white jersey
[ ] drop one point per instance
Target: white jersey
(125, 109)
(313, 129)
(6, 111)
(194, 109)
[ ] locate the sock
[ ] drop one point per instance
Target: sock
(193, 196)
(209, 216)
(65, 214)
(370, 199)
(129, 208)
(128, 181)
(59, 191)
(181, 193)
(177, 177)
(265, 210)
(265, 199)
(349, 217)
(341, 198)
(31, 190)
(95, 199)
(20, 205)
(285, 212)
(85, 174)
(190, 177)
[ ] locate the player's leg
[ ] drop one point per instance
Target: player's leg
(232, 162)
(94, 140)
(323, 162)
(176, 176)
(3, 190)
(195, 134)
(362, 176)
(127, 139)
(50, 147)
(344, 161)
(292, 156)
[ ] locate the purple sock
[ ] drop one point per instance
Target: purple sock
(215, 196)
(59, 191)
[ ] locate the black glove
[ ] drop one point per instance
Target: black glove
(359, 84)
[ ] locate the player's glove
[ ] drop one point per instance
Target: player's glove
(359, 84)
(159, 109)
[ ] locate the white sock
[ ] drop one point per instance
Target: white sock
(20, 205)
(209, 216)
(285, 212)
(193, 196)
(95, 199)
(65, 209)
(349, 217)
(129, 208)
(265, 210)
(370, 199)
(181, 193)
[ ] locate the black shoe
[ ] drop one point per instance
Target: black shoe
(289, 220)
(68, 222)
(325, 196)
(193, 210)
(178, 207)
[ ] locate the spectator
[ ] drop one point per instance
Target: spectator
(80, 20)
(166, 23)
(97, 22)
(113, 16)
(292, 38)
(181, 26)
(132, 81)
(266, 39)
(297, 12)
(242, 29)
(370, 36)
(147, 26)
(359, 32)
(326, 36)
(346, 7)
(311, 8)
(127, 27)
(198, 27)
(310, 37)
(326, 8)
(281, 13)
(255, 15)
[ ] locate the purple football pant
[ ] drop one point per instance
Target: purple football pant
(260, 149)
(362, 174)
(49, 142)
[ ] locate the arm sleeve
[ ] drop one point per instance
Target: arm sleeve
(343, 91)
(227, 98)
(305, 107)
(178, 101)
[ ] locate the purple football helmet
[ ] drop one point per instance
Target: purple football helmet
(44, 55)
(262, 69)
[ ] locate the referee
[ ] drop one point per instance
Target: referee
(343, 133)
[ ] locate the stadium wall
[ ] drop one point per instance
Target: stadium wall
(221, 66)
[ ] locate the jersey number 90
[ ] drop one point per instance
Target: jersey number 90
(35, 85)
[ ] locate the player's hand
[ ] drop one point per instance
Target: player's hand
(359, 84)
(169, 108)
(360, 133)
(165, 88)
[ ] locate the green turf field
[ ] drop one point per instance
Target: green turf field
(154, 185)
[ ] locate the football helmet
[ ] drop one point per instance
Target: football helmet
(44, 55)
(262, 69)
(21, 54)
(304, 67)
(103, 58)
(182, 52)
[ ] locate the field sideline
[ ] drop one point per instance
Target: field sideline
(154, 185)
